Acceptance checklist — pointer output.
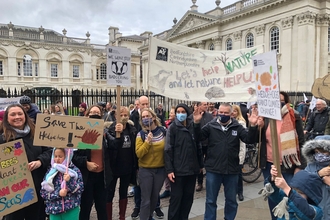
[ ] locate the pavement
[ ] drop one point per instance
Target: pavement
(253, 206)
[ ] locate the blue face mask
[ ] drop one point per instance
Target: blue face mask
(321, 157)
(147, 121)
(223, 118)
(181, 116)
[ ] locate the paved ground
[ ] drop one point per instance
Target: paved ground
(253, 207)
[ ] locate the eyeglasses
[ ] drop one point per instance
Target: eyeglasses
(95, 113)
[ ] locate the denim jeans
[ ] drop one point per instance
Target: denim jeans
(213, 185)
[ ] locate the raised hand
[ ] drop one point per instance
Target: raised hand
(253, 117)
(197, 115)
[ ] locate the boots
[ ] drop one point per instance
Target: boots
(109, 210)
(122, 208)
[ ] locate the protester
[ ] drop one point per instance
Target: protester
(222, 160)
(62, 186)
(82, 109)
(160, 113)
(318, 120)
(150, 143)
(64, 108)
(17, 124)
(123, 161)
(135, 114)
(211, 109)
(46, 111)
(237, 114)
(291, 136)
(183, 161)
(59, 109)
(31, 109)
(95, 169)
(110, 112)
(171, 117)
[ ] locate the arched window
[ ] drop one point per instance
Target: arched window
(275, 39)
(249, 40)
(229, 44)
(211, 47)
(27, 65)
(103, 71)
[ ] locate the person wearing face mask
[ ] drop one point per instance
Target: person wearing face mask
(290, 134)
(96, 172)
(183, 161)
(123, 161)
(317, 154)
(222, 156)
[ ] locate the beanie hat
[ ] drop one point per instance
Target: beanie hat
(182, 105)
(83, 105)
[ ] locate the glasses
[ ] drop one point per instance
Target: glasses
(95, 113)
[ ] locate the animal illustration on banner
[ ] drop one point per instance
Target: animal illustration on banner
(16, 184)
(178, 71)
(68, 132)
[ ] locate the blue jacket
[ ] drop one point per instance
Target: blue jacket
(33, 111)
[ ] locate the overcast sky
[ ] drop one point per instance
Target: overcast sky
(96, 16)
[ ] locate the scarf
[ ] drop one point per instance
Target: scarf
(48, 184)
(22, 133)
(289, 138)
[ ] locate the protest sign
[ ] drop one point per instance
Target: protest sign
(68, 132)
(118, 66)
(182, 72)
(16, 184)
(313, 103)
(4, 102)
(267, 85)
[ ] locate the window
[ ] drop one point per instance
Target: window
(229, 44)
(75, 71)
(36, 69)
(53, 70)
(249, 40)
(18, 68)
(97, 73)
(27, 65)
(1, 68)
(211, 47)
(275, 39)
(103, 71)
(329, 39)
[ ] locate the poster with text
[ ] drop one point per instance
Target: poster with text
(267, 85)
(186, 73)
(16, 184)
(68, 132)
(118, 66)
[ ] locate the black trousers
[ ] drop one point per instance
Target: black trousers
(182, 197)
(123, 187)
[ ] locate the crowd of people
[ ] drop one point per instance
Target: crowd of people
(196, 142)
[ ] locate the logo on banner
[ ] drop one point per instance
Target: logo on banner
(162, 53)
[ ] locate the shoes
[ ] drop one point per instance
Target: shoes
(135, 214)
(199, 187)
(240, 197)
(159, 213)
(165, 194)
(130, 193)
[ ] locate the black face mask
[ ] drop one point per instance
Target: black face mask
(95, 116)
(282, 104)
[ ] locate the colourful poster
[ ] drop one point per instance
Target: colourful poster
(68, 132)
(16, 184)
(267, 85)
(186, 73)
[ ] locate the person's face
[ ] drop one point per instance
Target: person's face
(95, 111)
(81, 109)
(124, 115)
(319, 105)
(144, 102)
(160, 107)
(224, 110)
(282, 98)
(210, 106)
(146, 114)
(322, 151)
(16, 118)
(203, 106)
(26, 107)
(253, 107)
(57, 109)
(172, 114)
(46, 111)
(59, 156)
(137, 104)
(234, 113)
(181, 110)
(108, 106)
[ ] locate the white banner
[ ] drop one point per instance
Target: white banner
(313, 103)
(267, 85)
(4, 102)
(118, 66)
(186, 73)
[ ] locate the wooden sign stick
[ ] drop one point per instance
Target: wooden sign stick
(118, 109)
(276, 156)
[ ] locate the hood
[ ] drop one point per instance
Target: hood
(308, 183)
(66, 156)
(33, 109)
(310, 146)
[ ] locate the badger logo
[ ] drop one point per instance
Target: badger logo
(119, 68)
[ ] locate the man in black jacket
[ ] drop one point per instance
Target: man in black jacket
(318, 119)
(222, 160)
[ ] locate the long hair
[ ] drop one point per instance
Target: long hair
(92, 106)
(153, 114)
(239, 113)
(60, 106)
(8, 131)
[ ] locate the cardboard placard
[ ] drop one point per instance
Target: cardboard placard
(68, 132)
(16, 184)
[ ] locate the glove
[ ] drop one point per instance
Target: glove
(266, 191)
(282, 209)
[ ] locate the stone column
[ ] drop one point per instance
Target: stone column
(137, 75)
(217, 41)
(306, 50)
(322, 26)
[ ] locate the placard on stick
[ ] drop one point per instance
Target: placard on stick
(16, 184)
(68, 132)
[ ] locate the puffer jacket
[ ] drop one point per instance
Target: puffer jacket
(54, 202)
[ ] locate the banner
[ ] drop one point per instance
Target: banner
(16, 184)
(313, 103)
(267, 85)
(186, 73)
(4, 102)
(118, 66)
(68, 132)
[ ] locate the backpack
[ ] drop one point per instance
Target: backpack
(143, 133)
(300, 109)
